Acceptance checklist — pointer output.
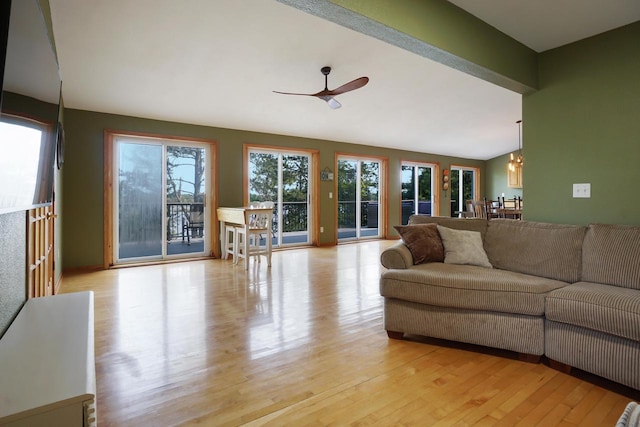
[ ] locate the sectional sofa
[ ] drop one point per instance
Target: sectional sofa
(567, 292)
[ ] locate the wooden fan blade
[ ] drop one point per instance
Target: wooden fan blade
(289, 93)
(347, 87)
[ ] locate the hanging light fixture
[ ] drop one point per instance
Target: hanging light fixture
(518, 161)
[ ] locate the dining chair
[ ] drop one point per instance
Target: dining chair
(478, 209)
(492, 208)
(511, 208)
(193, 223)
(468, 211)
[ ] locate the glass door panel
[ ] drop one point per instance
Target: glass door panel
(348, 221)
(264, 183)
(416, 180)
(358, 199)
(408, 182)
(369, 199)
(282, 178)
(295, 200)
(185, 200)
(462, 188)
(139, 201)
(160, 205)
(425, 187)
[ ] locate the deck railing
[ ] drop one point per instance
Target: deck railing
(178, 217)
(294, 215)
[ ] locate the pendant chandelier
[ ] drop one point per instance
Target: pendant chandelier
(518, 161)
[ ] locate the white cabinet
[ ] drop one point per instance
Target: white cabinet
(47, 365)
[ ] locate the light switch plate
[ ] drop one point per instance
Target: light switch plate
(582, 191)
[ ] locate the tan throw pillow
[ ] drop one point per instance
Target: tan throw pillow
(463, 247)
(423, 240)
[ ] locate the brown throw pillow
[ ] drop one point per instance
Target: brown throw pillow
(423, 240)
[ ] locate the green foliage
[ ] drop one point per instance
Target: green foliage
(369, 180)
(185, 174)
(263, 182)
(409, 180)
(263, 172)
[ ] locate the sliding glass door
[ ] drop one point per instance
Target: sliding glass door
(160, 207)
(417, 190)
(283, 178)
(463, 187)
(358, 198)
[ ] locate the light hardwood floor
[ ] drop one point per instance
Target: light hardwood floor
(302, 343)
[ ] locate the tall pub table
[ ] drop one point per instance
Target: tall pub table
(241, 217)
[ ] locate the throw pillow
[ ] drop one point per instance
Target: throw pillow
(463, 247)
(423, 240)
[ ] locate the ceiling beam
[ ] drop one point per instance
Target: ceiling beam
(437, 30)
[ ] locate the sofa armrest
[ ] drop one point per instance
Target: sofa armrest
(397, 256)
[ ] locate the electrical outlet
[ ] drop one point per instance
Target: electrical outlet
(582, 191)
(322, 229)
(330, 195)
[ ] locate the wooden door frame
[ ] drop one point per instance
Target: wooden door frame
(384, 191)
(211, 197)
(314, 181)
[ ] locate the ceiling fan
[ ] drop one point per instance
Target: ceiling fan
(328, 95)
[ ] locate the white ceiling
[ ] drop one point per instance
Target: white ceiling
(216, 63)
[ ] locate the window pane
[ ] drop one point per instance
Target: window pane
(263, 177)
(140, 200)
(467, 185)
(185, 199)
(295, 189)
(455, 191)
(347, 184)
(408, 192)
(369, 190)
(424, 190)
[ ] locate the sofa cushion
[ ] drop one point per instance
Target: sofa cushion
(463, 247)
(469, 287)
(540, 249)
(423, 240)
(611, 255)
(603, 308)
(471, 224)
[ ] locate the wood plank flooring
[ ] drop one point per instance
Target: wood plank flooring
(301, 343)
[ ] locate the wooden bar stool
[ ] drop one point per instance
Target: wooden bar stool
(258, 219)
(230, 242)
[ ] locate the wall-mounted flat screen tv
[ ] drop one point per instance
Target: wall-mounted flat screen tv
(29, 111)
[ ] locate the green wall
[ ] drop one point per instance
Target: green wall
(583, 126)
(83, 170)
(496, 179)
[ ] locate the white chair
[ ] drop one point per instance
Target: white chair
(258, 219)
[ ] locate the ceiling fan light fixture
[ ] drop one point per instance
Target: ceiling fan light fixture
(519, 160)
(333, 103)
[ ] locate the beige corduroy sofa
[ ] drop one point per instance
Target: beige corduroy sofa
(569, 292)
